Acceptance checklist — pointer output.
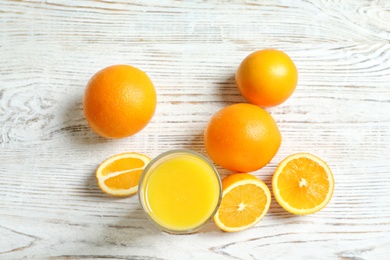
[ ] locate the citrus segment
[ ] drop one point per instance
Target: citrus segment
(123, 180)
(245, 201)
(123, 164)
(303, 184)
(120, 174)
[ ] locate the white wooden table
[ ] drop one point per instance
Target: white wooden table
(50, 204)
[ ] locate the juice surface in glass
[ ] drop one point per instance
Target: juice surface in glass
(180, 191)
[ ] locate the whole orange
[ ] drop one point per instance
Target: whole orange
(242, 137)
(119, 101)
(267, 77)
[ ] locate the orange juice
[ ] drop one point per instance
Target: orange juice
(180, 191)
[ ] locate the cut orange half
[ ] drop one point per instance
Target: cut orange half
(120, 174)
(245, 201)
(302, 184)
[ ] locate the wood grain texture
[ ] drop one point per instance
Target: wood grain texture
(50, 205)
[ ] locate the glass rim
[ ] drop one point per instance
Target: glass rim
(142, 197)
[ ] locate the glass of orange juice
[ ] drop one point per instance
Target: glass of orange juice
(180, 191)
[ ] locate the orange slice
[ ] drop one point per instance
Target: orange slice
(302, 184)
(245, 201)
(120, 174)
